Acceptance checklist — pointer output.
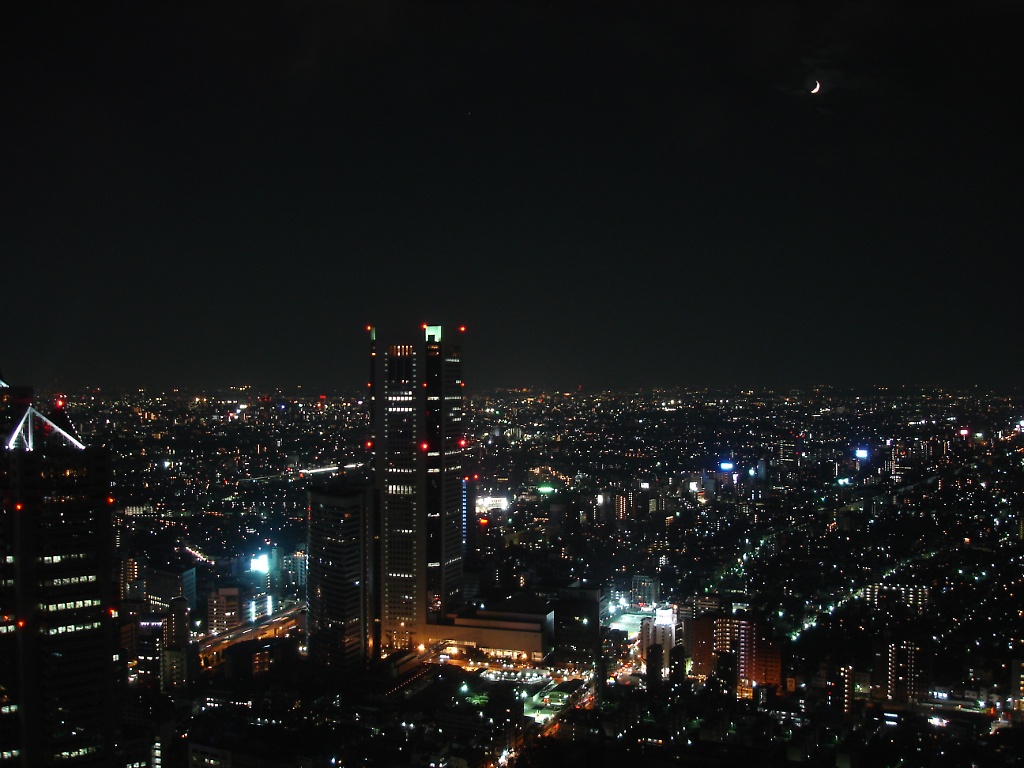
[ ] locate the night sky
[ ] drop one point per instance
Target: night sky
(607, 194)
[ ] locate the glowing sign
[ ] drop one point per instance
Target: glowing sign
(665, 617)
(545, 489)
(260, 563)
(485, 503)
(861, 453)
(726, 466)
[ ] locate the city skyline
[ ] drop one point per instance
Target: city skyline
(608, 196)
(672, 567)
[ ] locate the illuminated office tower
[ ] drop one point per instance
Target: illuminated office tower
(658, 631)
(416, 393)
(57, 662)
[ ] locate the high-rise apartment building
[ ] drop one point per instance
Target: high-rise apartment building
(645, 590)
(754, 658)
(416, 392)
(899, 673)
(57, 649)
(223, 610)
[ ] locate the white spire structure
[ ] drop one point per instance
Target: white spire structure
(23, 435)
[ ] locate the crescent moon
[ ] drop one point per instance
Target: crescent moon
(817, 87)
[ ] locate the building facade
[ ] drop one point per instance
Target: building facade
(57, 648)
(417, 399)
(338, 578)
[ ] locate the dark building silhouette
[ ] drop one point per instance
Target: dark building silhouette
(57, 668)
(178, 659)
(339, 576)
(578, 624)
(655, 669)
(416, 393)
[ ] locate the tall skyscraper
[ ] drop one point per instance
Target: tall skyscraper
(57, 667)
(417, 399)
(339, 577)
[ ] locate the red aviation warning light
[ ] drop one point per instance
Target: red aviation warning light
(60, 402)
(462, 329)
(424, 447)
(369, 445)
(462, 443)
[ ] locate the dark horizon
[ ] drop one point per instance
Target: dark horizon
(605, 195)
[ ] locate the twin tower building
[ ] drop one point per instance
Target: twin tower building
(386, 551)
